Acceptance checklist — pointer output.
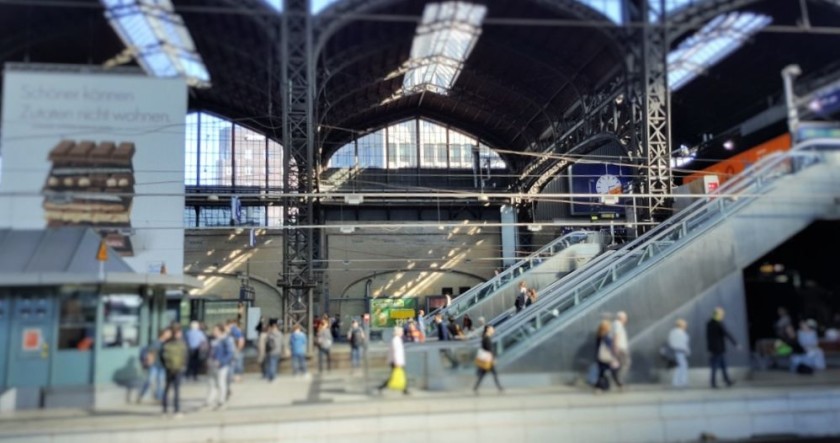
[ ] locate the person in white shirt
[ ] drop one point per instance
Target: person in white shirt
(396, 357)
(678, 341)
(621, 345)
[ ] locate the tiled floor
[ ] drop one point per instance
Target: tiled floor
(340, 407)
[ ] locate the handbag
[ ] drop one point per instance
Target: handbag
(484, 359)
(397, 381)
(604, 354)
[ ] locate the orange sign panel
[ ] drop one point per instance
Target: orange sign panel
(727, 168)
(31, 339)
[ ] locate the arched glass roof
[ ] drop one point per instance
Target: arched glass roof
(609, 8)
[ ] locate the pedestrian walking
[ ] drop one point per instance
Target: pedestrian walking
(396, 358)
(151, 363)
(486, 359)
(605, 357)
(621, 345)
(716, 336)
(273, 349)
(356, 337)
(678, 341)
(197, 345)
(219, 364)
(174, 356)
(297, 345)
(324, 341)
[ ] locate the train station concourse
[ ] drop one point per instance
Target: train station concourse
(379, 220)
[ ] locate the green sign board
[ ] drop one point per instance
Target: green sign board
(390, 312)
(216, 312)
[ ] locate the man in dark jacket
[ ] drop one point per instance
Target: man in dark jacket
(716, 336)
(174, 357)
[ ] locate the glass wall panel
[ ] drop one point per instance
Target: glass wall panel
(77, 323)
(344, 157)
(275, 165)
(433, 145)
(249, 148)
(191, 150)
(401, 148)
(490, 157)
(371, 150)
(215, 162)
(460, 149)
(402, 145)
(121, 320)
(209, 216)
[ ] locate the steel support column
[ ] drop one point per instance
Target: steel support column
(649, 94)
(297, 89)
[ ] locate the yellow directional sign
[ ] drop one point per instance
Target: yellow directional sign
(102, 254)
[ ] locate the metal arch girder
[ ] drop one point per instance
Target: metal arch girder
(580, 144)
(500, 117)
(350, 61)
(497, 84)
(476, 101)
(582, 99)
(588, 125)
(336, 16)
(567, 76)
(494, 83)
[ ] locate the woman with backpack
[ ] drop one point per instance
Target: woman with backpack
(356, 337)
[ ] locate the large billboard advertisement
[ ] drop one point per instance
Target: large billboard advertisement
(103, 150)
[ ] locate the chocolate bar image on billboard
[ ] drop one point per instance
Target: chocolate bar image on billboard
(88, 153)
(92, 184)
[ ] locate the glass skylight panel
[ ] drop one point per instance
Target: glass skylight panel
(158, 64)
(609, 8)
(719, 38)
(445, 38)
(671, 7)
(278, 4)
(157, 36)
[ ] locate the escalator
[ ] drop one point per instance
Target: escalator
(684, 268)
(550, 263)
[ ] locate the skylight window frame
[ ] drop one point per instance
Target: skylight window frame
(715, 41)
(159, 39)
(443, 41)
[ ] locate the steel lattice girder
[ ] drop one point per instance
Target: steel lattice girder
(297, 90)
(657, 103)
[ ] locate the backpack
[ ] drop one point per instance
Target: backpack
(270, 344)
(174, 356)
(356, 339)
